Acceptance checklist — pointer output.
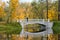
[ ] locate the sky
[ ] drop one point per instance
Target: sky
(20, 1)
(25, 0)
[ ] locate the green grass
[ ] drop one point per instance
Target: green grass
(12, 28)
(15, 28)
(56, 27)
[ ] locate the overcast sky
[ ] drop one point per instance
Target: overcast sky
(23, 0)
(20, 1)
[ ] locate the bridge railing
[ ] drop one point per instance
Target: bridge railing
(33, 20)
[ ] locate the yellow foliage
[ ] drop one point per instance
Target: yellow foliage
(51, 14)
(14, 3)
(22, 15)
(16, 37)
(2, 13)
(52, 37)
(19, 12)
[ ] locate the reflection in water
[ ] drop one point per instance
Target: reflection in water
(34, 28)
(50, 31)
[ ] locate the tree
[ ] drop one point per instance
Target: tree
(37, 8)
(53, 11)
(13, 6)
(2, 12)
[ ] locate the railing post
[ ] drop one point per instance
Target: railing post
(48, 20)
(43, 20)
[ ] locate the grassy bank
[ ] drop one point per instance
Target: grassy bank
(56, 27)
(11, 28)
(15, 28)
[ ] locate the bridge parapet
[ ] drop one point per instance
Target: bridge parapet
(40, 21)
(32, 21)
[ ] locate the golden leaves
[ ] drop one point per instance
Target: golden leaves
(14, 3)
(51, 13)
(2, 13)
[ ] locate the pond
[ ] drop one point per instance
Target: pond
(34, 28)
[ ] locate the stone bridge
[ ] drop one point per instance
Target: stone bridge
(40, 21)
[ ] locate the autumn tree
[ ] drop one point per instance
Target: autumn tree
(38, 8)
(25, 11)
(2, 12)
(13, 6)
(53, 11)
